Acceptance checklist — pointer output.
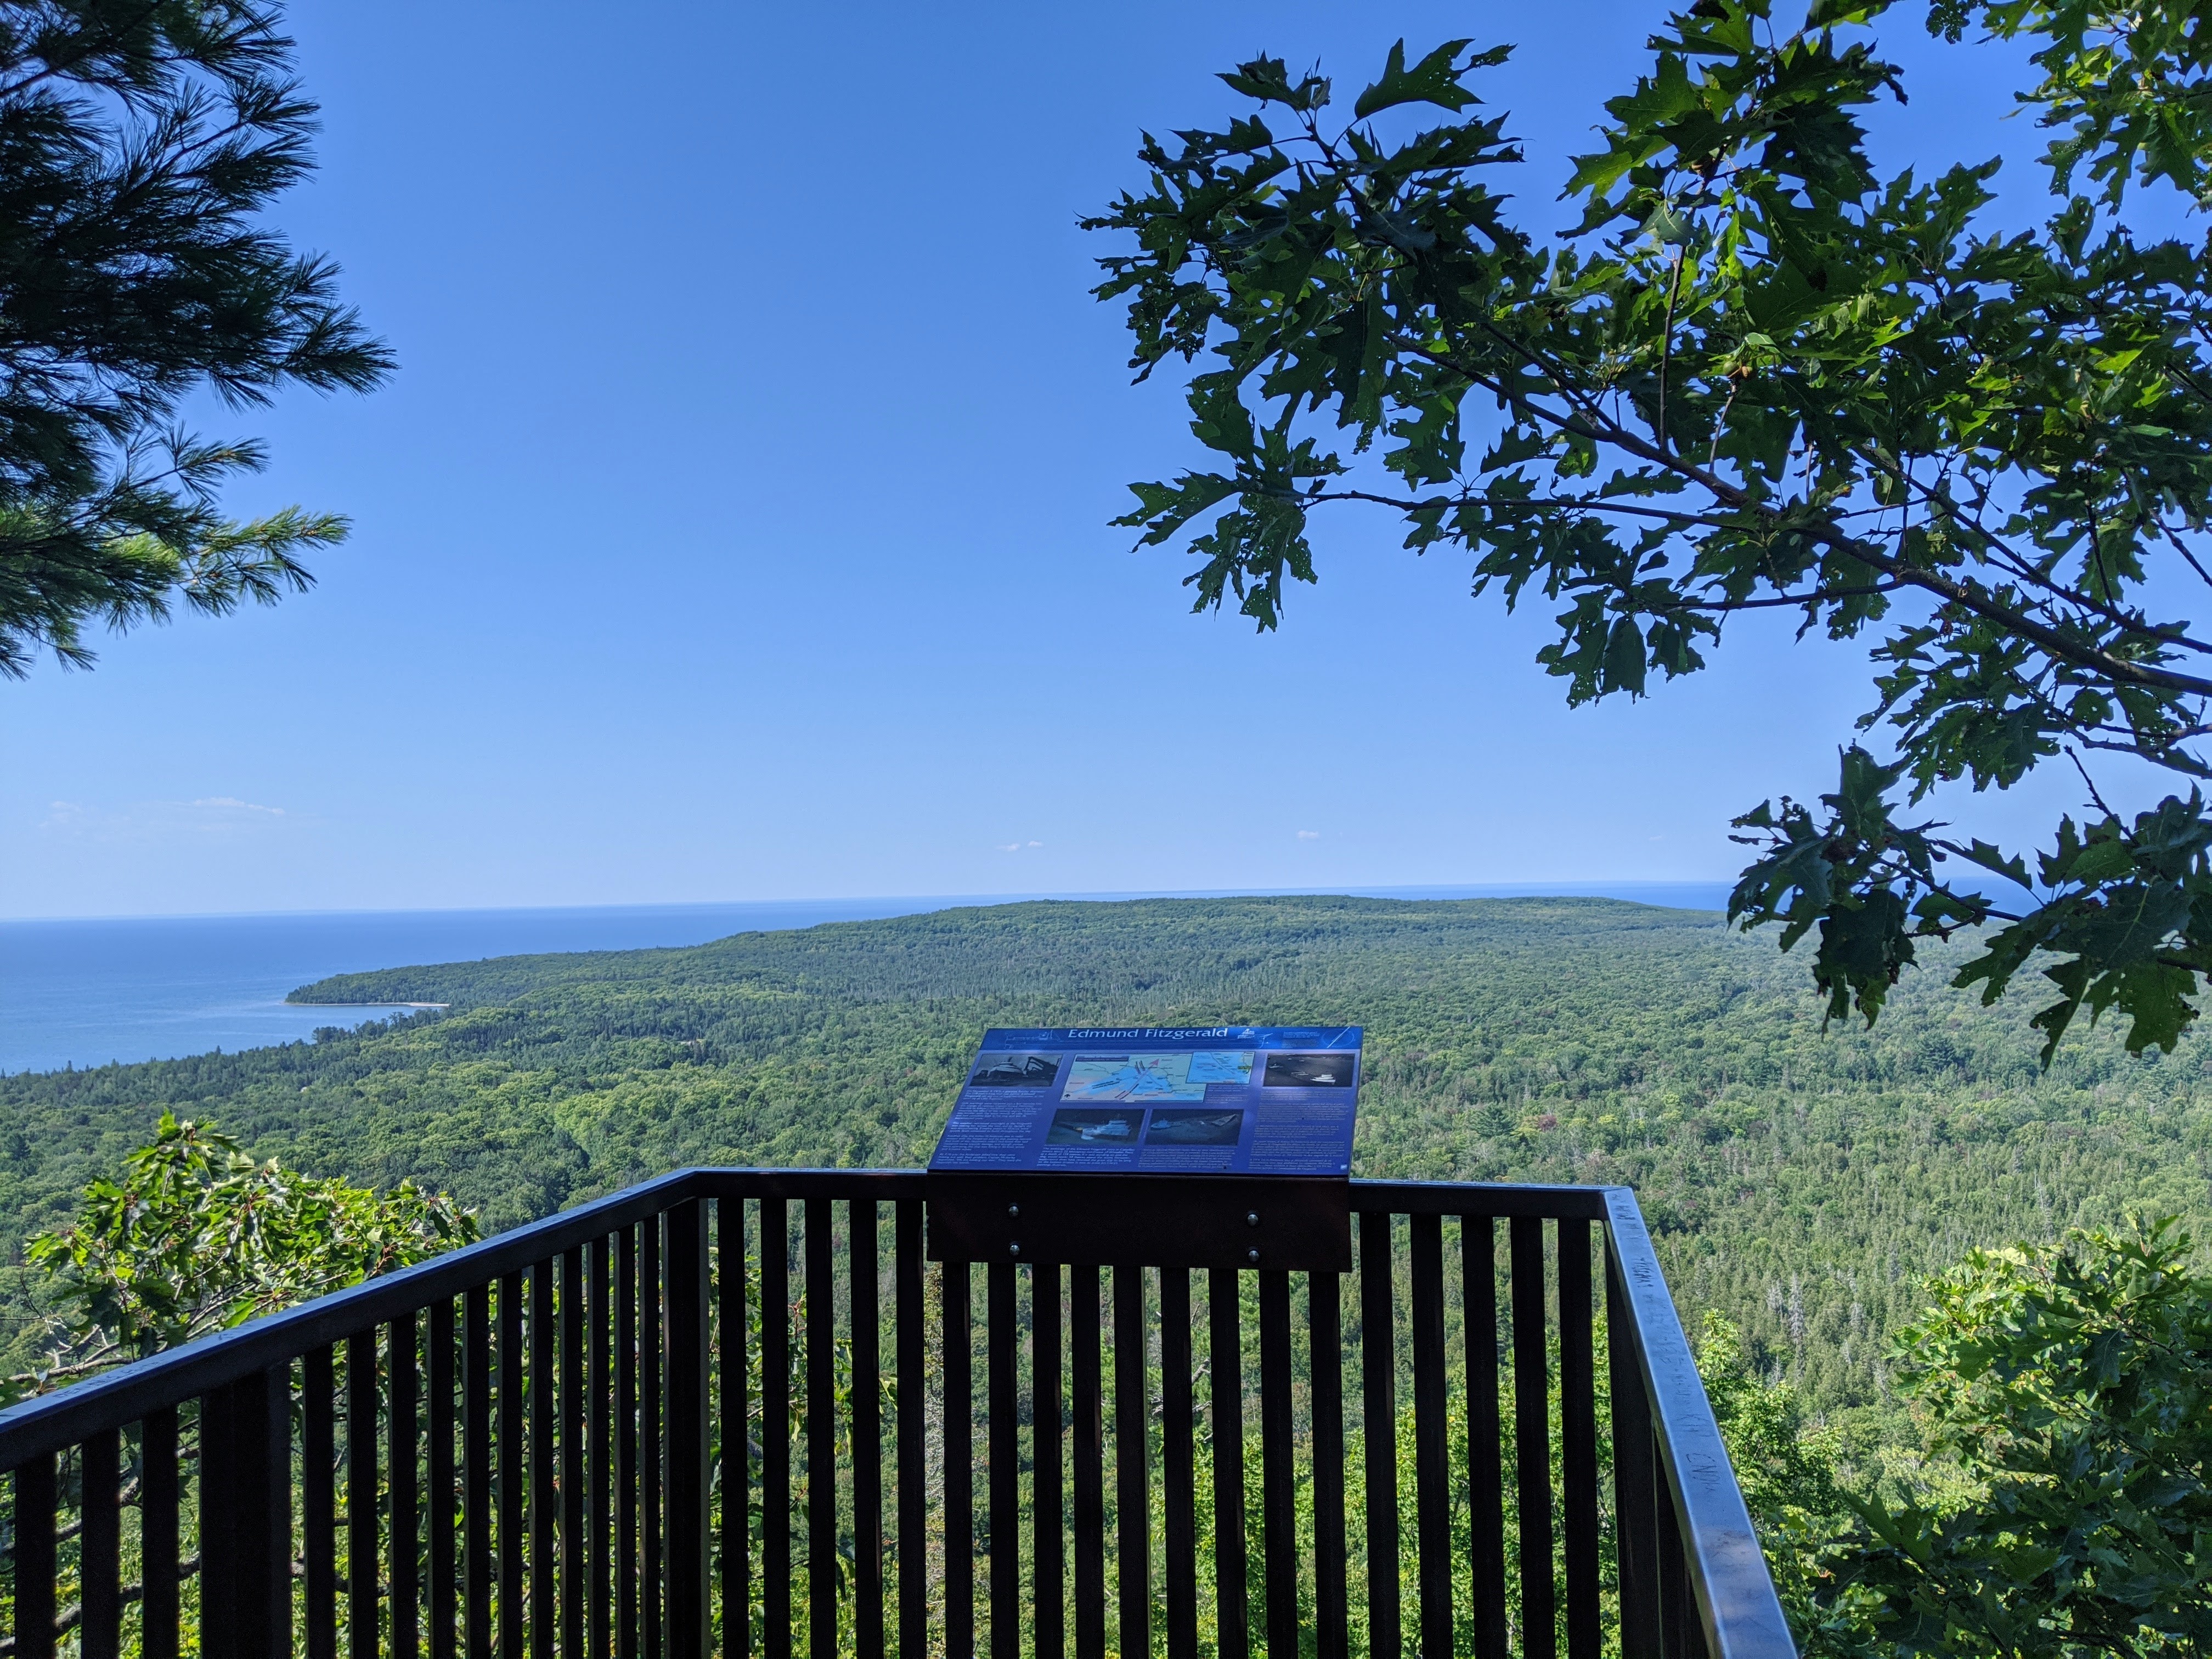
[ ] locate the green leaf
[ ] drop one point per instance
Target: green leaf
(1435, 80)
(1624, 658)
(1265, 80)
(1163, 509)
(1993, 859)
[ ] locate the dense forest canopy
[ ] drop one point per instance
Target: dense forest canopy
(1802, 1183)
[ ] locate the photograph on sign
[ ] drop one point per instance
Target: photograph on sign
(1014, 1071)
(1201, 1128)
(1308, 1072)
(1073, 1126)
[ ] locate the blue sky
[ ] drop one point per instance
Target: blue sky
(736, 526)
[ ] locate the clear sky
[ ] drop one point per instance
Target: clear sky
(736, 526)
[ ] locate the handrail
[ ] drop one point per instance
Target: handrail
(1736, 1602)
(1697, 1507)
(52, 1422)
(1481, 1198)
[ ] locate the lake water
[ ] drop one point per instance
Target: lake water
(89, 992)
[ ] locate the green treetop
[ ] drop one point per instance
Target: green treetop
(1758, 374)
(140, 142)
(196, 1237)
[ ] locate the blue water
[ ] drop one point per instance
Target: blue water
(87, 993)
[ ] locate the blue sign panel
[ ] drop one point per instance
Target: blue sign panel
(1224, 1100)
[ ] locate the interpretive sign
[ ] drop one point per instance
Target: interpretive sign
(1260, 1118)
(1242, 1099)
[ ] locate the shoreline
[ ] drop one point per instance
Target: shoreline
(289, 1003)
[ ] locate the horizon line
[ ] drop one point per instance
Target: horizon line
(1539, 889)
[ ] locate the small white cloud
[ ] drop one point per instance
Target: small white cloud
(1308, 834)
(1016, 846)
(1037, 844)
(210, 820)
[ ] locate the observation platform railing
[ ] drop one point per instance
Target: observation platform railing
(576, 1441)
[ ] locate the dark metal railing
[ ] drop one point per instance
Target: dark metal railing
(702, 1417)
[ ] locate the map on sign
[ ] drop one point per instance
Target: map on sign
(1241, 1100)
(1168, 1077)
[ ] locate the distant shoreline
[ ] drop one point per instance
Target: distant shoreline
(289, 1003)
(79, 993)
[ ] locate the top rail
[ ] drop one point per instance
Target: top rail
(52, 1422)
(62, 1419)
(1481, 1198)
(1736, 1602)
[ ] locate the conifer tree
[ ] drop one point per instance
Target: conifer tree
(140, 143)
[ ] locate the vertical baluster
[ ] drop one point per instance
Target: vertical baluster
(1225, 1352)
(1088, 1423)
(1325, 1342)
(737, 1461)
(651, 1449)
(1679, 1635)
(35, 1500)
(361, 1515)
(821, 1436)
(544, 1500)
(319, 1499)
(99, 1546)
(405, 1574)
(1378, 1379)
(246, 1516)
(626, 1448)
(959, 1465)
(442, 1508)
(1636, 1538)
(218, 1524)
(1005, 1463)
(1532, 1440)
(1431, 1452)
(1578, 1439)
(687, 1539)
(1478, 1243)
(1178, 1465)
(1048, 1500)
(477, 1468)
(158, 1540)
(572, 1411)
(268, 1417)
(599, 1542)
(1278, 1471)
(913, 1430)
(775, 1429)
(867, 1432)
(1132, 1466)
(513, 1449)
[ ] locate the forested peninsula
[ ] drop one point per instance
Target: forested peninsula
(1802, 1182)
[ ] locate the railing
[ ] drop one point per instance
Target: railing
(654, 1426)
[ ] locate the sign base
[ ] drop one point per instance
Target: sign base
(1299, 1224)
